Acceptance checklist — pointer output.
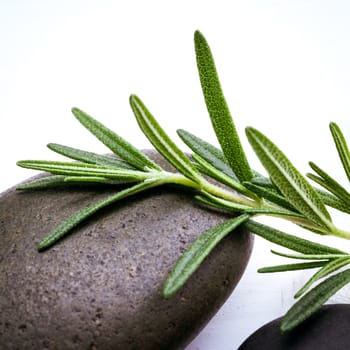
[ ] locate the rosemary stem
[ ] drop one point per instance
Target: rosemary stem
(340, 233)
(229, 195)
(235, 197)
(204, 185)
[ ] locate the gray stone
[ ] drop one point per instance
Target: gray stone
(100, 288)
(327, 329)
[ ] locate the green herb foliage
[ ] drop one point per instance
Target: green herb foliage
(284, 192)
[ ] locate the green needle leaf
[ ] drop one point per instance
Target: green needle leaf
(115, 143)
(216, 174)
(95, 179)
(313, 300)
(333, 201)
(263, 181)
(161, 141)
(56, 181)
(342, 147)
(269, 194)
(65, 227)
(292, 267)
(218, 110)
(84, 169)
(229, 205)
(88, 157)
(210, 203)
(208, 152)
(222, 203)
(197, 252)
(327, 269)
(311, 256)
(290, 182)
(288, 241)
(43, 183)
(329, 183)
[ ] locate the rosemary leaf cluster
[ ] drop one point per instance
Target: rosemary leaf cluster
(284, 192)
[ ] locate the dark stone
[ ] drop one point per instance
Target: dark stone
(100, 288)
(327, 329)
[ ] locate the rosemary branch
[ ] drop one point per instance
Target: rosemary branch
(284, 192)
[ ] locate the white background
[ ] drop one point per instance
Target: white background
(284, 67)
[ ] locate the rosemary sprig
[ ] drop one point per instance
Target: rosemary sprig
(239, 190)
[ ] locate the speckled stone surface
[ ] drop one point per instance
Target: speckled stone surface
(100, 288)
(328, 329)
